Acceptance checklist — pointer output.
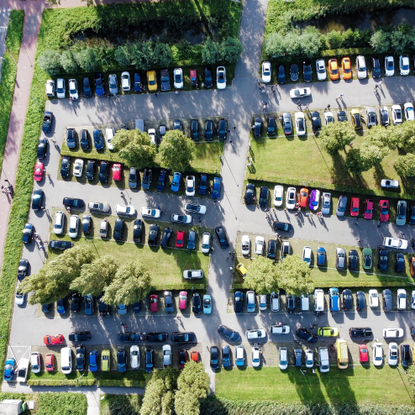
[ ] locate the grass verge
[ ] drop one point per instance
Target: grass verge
(121, 404)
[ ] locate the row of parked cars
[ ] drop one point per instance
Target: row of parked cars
(332, 67)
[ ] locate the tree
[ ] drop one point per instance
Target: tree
(176, 150)
(381, 136)
(131, 283)
(211, 52)
(231, 49)
(141, 55)
(274, 45)
(404, 136)
(68, 62)
(373, 153)
(310, 41)
(292, 43)
(405, 165)
(336, 136)
(354, 162)
(380, 41)
(335, 39)
(50, 62)
(162, 55)
(399, 41)
(86, 59)
(194, 379)
(294, 276)
(135, 148)
(262, 276)
(122, 55)
(96, 276)
(186, 404)
(54, 279)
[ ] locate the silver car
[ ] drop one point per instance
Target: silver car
(205, 242)
(340, 258)
(59, 223)
(113, 84)
(326, 203)
(341, 206)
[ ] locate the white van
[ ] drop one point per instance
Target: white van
(361, 67)
(66, 360)
(323, 356)
(109, 133)
(305, 302)
(318, 300)
(139, 125)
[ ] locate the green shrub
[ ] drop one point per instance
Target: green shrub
(335, 39)
(162, 55)
(50, 62)
(231, 50)
(211, 52)
(86, 59)
(68, 62)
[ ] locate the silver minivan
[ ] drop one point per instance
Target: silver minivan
(275, 301)
(59, 223)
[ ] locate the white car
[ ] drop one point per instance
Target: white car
(134, 356)
(78, 167)
(408, 109)
(278, 195)
(280, 329)
(125, 83)
(401, 299)
(205, 243)
(413, 300)
(19, 298)
(307, 254)
(373, 298)
(50, 88)
(283, 352)
(256, 356)
(300, 124)
(392, 333)
(377, 354)
(190, 185)
(389, 66)
(323, 357)
(266, 72)
(395, 243)
(321, 70)
(328, 117)
(404, 67)
(326, 203)
(195, 208)
(361, 67)
(393, 354)
(245, 244)
(109, 132)
(150, 212)
(309, 358)
(300, 93)
(291, 198)
(22, 370)
(73, 89)
(316, 202)
(152, 133)
(275, 301)
(259, 245)
(166, 355)
(221, 77)
(397, 114)
(178, 218)
(60, 88)
(178, 78)
(59, 223)
(35, 362)
(255, 334)
(125, 210)
(73, 226)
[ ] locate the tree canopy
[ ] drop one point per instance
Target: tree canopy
(294, 276)
(405, 165)
(176, 150)
(336, 136)
(262, 276)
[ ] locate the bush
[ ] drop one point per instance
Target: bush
(335, 39)
(211, 52)
(405, 165)
(231, 50)
(122, 55)
(292, 43)
(311, 42)
(68, 62)
(50, 62)
(162, 54)
(380, 41)
(274, 45)
(87, 59)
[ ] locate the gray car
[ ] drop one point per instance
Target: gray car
(371, 117)
(250, 301)
(113, 84)
(401, 213)
(168, 302)
(340, 258)
(341, 206)
(287, 123)
(99, 207)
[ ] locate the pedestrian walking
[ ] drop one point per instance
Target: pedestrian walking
(272, 88)
(299, 102)
(376, 87)
(328, 107)
(7, 180)
(156, 94)
(122, 194)
(227, 258)
(122, 324)
(54, 140)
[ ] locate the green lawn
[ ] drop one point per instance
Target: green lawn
(358, 384)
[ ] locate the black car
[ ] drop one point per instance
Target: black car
(129, 337)
(347, 299)
(47, 122)
(168, 302)
(138, 230)
(411, 215)
(229, 333)
(214, 357)
(46, 308)
(304, 334)
(257, 127)
(183, 358)
(161, 181)
(194, 130)
(272, 249)
(75, 302)
(383, 116)
(222, 129)
(183, 337)
(60, 245)
(103, 171)
(42, 148)
(85, 140)
(37, 199)
(207, 77)
(165, 80)
(208, 130)
(282, 226)
(28, 231)
(118, 229)
(360, 332)
(399, 262)
(250, 193)
(65, 166)
(191, 241)
(87, 88)
(238, 303)
(294, 72)
(71, 137)
(406, 355)
(290, 303)
(223, 239)
(281, 75)
(307, 71)
(104, 308)
(132, 178)
(80, 358)
(342, 116)
(226, 356)
(23, 269)
(263, 197)
(147, 178)
(383, 259)
(353, 260)
(80, 336)
(86, 224)
(137, 307)
(121, 360)
(74, 203)
(376, 71)
(157, 337)
(196, 303)
(90, 170)
(153, 234)
(315, 122)
(271, 126)
(166, 237)
(360, 301)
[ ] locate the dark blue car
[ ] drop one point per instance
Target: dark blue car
(203, 184)
(216, 187)
(161, 181)
(137, 82)
(93, 361)
(321, 256)
(99, 85)
(98, 139)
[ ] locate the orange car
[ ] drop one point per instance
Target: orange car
(53, 340)
(333, 69)
(303, 198)
(194, 356)
(347, 69)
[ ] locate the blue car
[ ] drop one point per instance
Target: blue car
(9, 369)
(207, 304)
(137, 82)
(334, 296)
(175, 184)
(99, 85)
(203, 184)
(60, 306)
(121, 360)
(191, 242)
(321, 256)
(239, 355)
(93, 361)
(149, 360)
(98, 139)
(161, 181)
(226, 356)
(216, 187)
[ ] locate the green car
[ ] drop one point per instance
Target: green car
(367, 258)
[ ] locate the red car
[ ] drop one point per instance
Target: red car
(53, 340)
(183, 358)
(368, 213)
(154, 303)
(116, 172)
(354, 207)
(179, 239)
(50, 362)
(363, 353)
(194, 355)
(303, 198)
(384, 210)
(39, 168)
(193, 78)
(183, 300)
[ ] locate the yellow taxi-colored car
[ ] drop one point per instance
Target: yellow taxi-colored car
(347, 69)
(105, 360)
(328, 331)
(356, 120)
(334, 69)
(241, 269)
(152, 80)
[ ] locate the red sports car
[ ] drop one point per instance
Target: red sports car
(154, 303)
(384, 210)
(363, 353)
(179, 239)
(39, 168)
(368, 212)
(116, 172)
(53, 340)
(50, 362)
(354, 207)
(303, 198)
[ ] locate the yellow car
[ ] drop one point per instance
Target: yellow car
(152, 80)
(347, 68)
(356, 121)
(328, 331)
(105, 360)
(241, 269)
